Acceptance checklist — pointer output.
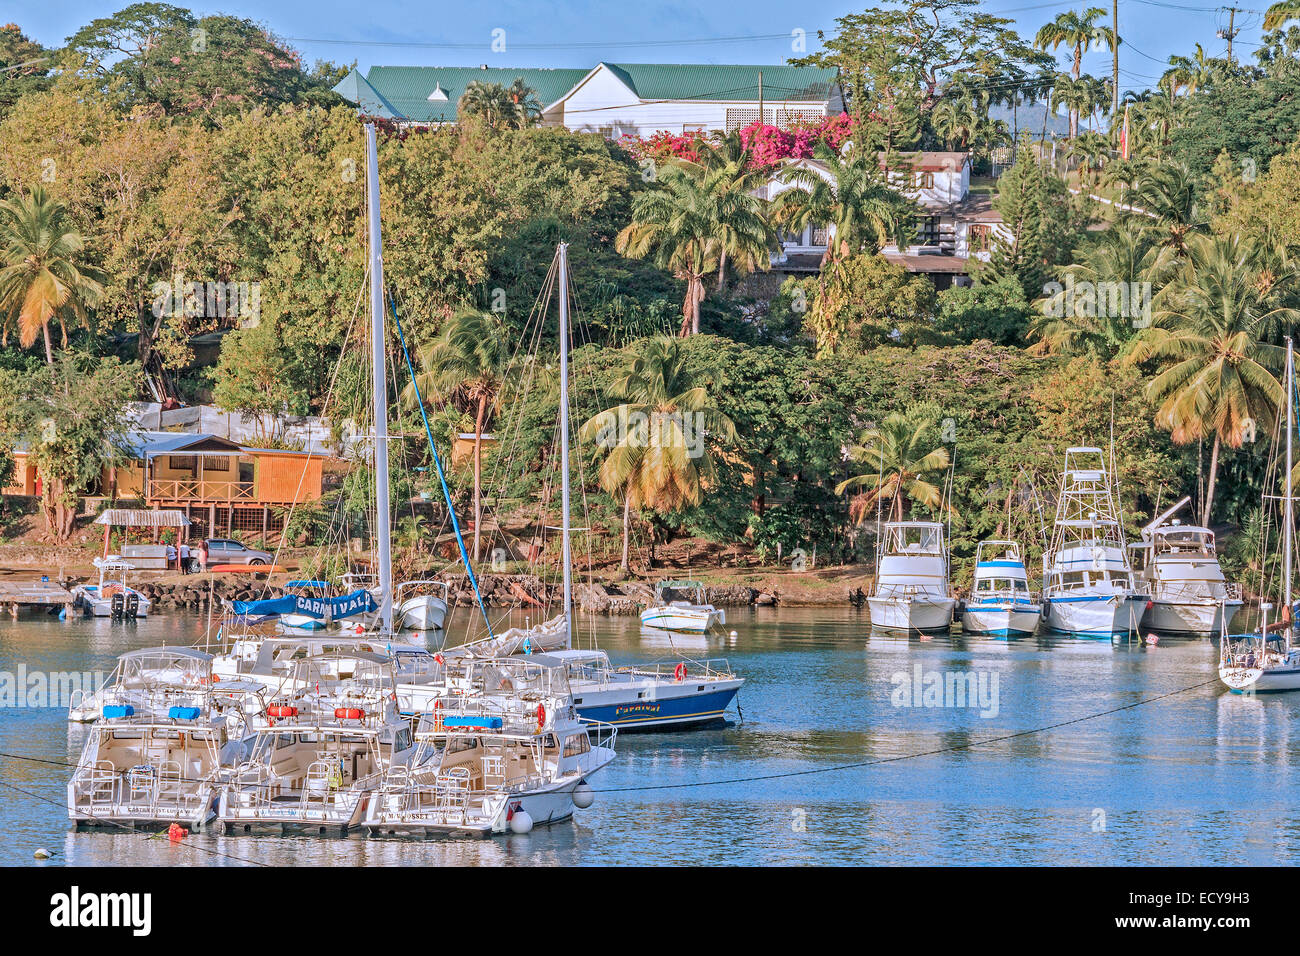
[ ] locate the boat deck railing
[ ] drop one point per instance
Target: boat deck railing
(144, 789)
(717, 668)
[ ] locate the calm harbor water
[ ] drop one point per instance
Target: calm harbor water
(1203, 777)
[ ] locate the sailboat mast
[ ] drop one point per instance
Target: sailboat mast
(566, 557)
(1289, 520)
(379, 374)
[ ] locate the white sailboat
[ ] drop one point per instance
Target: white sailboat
(1270, 659)
(1189, 594)
(911, 590)
(1000, 601)
(1088, 586)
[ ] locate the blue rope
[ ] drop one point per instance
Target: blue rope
(437, 462)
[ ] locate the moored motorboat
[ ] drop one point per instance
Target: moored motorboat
(1000, 601)
(1188, 591)
(671, 613)
(911, 589)
(421, 605)
(112, 597)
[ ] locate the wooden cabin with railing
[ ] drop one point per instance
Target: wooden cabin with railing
(221, 486)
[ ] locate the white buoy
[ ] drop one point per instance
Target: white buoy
(42, 854)
(734, 635)
(583, 796)
(521, 822)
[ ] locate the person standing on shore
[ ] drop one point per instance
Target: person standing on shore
(203, 555)
(185, 558)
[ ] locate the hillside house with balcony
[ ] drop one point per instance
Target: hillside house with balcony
(953, 226)
(221, 486)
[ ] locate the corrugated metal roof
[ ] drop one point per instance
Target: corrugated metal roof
(370, 101)
(407, 88)
(720, 81)
(143, 518)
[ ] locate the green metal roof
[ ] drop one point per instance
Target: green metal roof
(403, 91)
(407, 88)
(712, 81)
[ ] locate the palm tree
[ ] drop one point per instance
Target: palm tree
(466, 368)
(954, 122)
(513, 107)
(1167, 191)
(1281, 13)
(1091, 150)
(656, 435)
(898, 459)
(42, 273)
(1078, 32)
(854, 199)
(725, 170)
(688, 221)
(1127, 260)
(1215, 375)
(1192, 73)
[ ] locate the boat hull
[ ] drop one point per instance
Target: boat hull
(1173, 617)
(911, 613)
(1095, 615)
(422, 613)
(1257, 680)
(671, 706)
(1001, 620)
(682, 619)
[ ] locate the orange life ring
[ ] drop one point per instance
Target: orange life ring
(280, 710)
(541, 716)
(679, 672)
(349, 713)
(437, 714)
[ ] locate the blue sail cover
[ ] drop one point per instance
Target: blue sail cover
(359, 601)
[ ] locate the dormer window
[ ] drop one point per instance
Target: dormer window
(438, 93)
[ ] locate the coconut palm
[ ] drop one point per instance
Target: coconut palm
(43, 274)
(656, 436)
(1167, 192)
(1105, 296)
(854, 199)
(466, 368)
(1215, 374)
(1077, 32)
(1193, 73)
(1091, 151)
(898, 459)
(527, 108)
(1279, 14)
(500, 107)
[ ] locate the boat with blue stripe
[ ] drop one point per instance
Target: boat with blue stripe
(1000, 602)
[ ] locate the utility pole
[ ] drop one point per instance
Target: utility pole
(761, 121)
(1114, 59)
(1229, 33)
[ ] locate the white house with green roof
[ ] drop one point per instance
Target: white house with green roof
(614, 99)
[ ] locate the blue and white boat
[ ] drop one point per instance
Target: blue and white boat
(1000, 601)
(1088, 584)
(310, 589)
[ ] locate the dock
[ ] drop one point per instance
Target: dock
(16, 595)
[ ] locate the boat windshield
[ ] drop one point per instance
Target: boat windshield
(914, 539)
(1191, 542)
(1000, 584)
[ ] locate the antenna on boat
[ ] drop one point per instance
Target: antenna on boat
(384, 554)
(1289, 500)
(562, 254)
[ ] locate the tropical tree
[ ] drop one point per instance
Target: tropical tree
(500, 107)
(1106, 296)
(1167, 193)
(1281, 13)
(1215, 374)
(43, 272)
(898, 459)
(687, 221)
(466, 368)
(656, 437)
(854, 198)
(1192, 73)
(1077, 32)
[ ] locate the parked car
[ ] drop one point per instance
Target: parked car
(230, 551)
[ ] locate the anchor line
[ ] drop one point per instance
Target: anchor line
(901, 757)
(123, 826)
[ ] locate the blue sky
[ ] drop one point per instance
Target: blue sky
(581, 32)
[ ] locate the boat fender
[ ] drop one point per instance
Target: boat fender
(280, 710)
(541, 716)
(583, 796)
(349, 713)
(521, 822)
(679, 672)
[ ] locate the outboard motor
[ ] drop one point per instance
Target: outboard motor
(117, 605)
(132, 605)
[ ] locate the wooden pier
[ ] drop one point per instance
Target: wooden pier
(16, 595)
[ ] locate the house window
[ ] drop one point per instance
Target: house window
(980, 237)
(821, 236)
(693, 128)
(927, 232)
(216, 464)
(182, 462)
(925, 180)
